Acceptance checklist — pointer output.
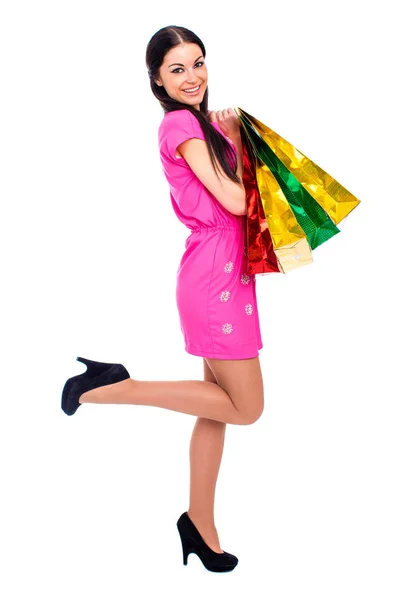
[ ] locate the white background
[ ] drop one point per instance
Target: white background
(308, 496)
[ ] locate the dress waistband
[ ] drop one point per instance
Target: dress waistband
(212, 227)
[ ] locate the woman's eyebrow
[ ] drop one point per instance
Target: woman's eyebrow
(181, 65)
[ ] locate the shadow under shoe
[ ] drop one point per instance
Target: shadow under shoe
(192, 542)
(96, 375)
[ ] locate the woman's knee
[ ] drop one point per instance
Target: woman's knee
(242, 381)
(251, 416)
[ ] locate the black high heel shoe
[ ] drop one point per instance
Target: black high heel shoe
(193, 542)
(96, 375)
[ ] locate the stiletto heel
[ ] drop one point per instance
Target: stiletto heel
(192, 542)
(96, 375)
(93, 367)
(186, 551)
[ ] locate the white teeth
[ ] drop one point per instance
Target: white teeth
(192, 89)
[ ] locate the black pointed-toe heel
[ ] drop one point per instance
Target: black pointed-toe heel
(96, 375)
(193, 542)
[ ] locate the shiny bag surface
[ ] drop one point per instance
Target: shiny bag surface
(293, 205)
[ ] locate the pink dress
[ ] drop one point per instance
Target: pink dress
(215, 296)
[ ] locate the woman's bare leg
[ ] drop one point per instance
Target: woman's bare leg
(206, 447)
(237, 402)
(231, 393)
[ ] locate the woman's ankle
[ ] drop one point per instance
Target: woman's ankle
(206, 521)
(114, 393)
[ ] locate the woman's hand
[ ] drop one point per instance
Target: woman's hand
(228, 121)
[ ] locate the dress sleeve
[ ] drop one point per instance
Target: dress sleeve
(180, 126)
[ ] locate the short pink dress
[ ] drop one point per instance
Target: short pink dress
(215, 296)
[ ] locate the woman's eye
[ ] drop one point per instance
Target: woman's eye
(179, 69)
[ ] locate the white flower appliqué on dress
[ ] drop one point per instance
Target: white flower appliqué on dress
(227, 328)
(224, 296)
(249, 309)
(245, 279)
(228, 267)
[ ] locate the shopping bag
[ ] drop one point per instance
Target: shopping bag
(293, 205)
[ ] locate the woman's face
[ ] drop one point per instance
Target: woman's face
(190, 72)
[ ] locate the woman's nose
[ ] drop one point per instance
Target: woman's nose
(191, 77)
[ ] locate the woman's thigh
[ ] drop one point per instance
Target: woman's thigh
(208, 374)
(242, 380)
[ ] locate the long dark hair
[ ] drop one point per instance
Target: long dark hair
(160, 43)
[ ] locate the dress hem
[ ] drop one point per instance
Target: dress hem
(207, 354)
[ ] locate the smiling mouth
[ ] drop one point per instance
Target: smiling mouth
(196, 90)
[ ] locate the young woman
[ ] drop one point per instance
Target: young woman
(201, 154)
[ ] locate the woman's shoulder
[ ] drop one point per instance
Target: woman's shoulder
(176, 127)
(174, 118)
